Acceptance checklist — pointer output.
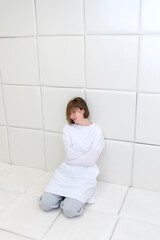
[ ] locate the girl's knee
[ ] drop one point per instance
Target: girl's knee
(70, 210)
(44, 204)
(47, 202)
(70, 213)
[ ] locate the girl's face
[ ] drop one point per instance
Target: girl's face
(77, 115)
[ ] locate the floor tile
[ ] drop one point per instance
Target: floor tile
(24, 217)
(10, 236)
(142, 205)
(18, 179)
(128, 229)
(38, 188)
(91, 225)
(6, 197)
(109, 198)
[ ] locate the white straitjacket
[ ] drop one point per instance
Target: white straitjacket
(76, 176)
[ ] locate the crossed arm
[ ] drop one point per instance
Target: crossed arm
(86, 160)
(82, 159)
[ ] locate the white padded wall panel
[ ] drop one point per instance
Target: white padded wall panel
(27, 147)
(148, 119)
(18, 61)
(4, 149)
(61, 61)
(112, 16)
(114, 112)
(17, 18)
(146, 167)
(23, 106)
(106, 61)
(116, 162)
(2, 114)
(149, 68)
(59, 17)
(150, 17)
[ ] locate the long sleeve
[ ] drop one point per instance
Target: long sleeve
(84, 159)
(70, 153)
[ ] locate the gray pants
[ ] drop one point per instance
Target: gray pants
(70, 206)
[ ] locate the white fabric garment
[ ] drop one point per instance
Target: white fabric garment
(76, 176)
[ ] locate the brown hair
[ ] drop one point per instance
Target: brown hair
(76, 102)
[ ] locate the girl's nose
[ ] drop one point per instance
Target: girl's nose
(72, 115)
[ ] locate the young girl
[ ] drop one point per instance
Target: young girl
(74, 182)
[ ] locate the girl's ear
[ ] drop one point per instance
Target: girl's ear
(83, 111)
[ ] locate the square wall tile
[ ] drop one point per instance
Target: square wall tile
(112, 16)
(23, 106)
(149, 70)
(59, 17)
(18, 61)
(115, 163)
(2, 114)
(148, 119)
(109, 198)
(142, 205)
(17, 18)
(55, 101)
(61, 61)
(111, 62)
(150, 17)
(4, 149)
(18, 179)
(55, 154)
(91, 225)
(114, 112)
(146, 167)
(25, 217)
(27, 147)
(128, 229)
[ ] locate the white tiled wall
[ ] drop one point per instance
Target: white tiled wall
(106, 51)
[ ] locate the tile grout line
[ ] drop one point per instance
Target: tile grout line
(82, 88)
(136, 110)
(140, 19)
(88, 34)
(42, 110)
(140, 220)
(119, 213)
(84, 51)
(51, 225)
(6, 125)
(137, 95)
(110, 238)
(123, 200)
(27, 238)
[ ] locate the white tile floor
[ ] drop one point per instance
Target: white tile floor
(119, 213)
